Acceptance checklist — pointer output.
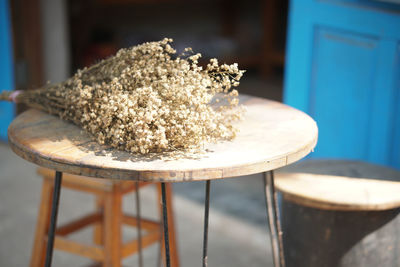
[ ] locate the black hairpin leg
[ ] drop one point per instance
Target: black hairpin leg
(53, 220)
(273, 219)
(165, 222)
(206, 211)
(139, 225)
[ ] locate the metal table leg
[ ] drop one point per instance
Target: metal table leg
(165, 222)
(273, 219)
(139, 225)
(53, 219)
(206, 211)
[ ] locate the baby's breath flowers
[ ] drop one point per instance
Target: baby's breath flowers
(147, 99)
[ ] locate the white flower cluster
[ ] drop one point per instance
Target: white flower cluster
(148, 99)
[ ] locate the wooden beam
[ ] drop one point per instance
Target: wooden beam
(133, 247)
(78, 224)
(92, 252)
(146, 223)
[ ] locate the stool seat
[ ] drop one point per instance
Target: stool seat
(361, 191)
(94, 185)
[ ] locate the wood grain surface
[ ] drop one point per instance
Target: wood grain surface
(271, 135)
(331, 192)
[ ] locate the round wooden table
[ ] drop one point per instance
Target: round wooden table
(271, 135)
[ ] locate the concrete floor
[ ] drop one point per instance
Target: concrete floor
(238, 228)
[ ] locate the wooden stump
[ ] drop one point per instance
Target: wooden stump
(340, 221)
(315, 238)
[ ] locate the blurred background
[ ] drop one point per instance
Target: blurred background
(49, 40)
(337, 60)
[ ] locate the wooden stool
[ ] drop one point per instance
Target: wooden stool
(108, 248)
(340, 214)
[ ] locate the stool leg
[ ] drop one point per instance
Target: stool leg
(171, 225)
(273, 219)
(98, 230)
(53, 219)
(112, 229)
(42, 225)
(139, 225)
(206, 212)
(173, 248)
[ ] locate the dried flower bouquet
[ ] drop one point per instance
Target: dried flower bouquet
(146, 99)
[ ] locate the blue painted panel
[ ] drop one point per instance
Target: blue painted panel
(299, 50)
(6, 68)
(305, 16)
(384, 104)
(395, 147)
(340, 90)
(342, 67)
(356, 18)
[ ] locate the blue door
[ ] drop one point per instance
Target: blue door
(6, 67)
(343, 68)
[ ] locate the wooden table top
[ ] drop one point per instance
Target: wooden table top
(271, 135)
